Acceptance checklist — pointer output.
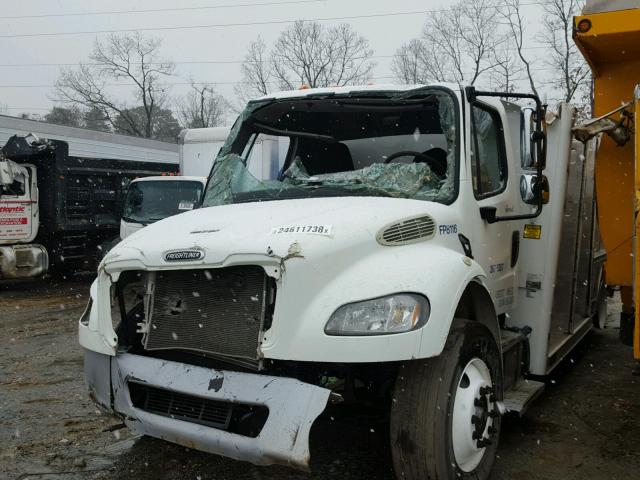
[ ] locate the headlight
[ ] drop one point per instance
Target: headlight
(391, 314)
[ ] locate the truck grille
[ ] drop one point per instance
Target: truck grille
(180, 406)
(215, 311)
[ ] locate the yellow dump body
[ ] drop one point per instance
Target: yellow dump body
(610, 42)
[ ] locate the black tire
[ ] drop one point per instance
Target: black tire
(422, 408)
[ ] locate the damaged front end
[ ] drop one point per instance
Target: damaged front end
(257, 418)
(186, 364)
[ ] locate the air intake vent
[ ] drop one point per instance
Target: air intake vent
(411, 230)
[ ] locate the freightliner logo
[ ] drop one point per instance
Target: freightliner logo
(183, 255)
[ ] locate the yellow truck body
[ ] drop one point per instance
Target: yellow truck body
(608, 35)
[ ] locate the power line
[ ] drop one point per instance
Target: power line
(224, 25)
(170, 84)
(190, 62)
(2, 107)
(155, 10)
(166, 84)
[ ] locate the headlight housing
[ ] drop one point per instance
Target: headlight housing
(397, 313)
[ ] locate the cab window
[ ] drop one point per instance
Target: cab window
(487, 152)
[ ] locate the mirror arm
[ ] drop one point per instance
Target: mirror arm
(538, 136)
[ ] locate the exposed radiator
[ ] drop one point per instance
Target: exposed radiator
(216, 311)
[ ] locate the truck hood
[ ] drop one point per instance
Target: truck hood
(304, 227)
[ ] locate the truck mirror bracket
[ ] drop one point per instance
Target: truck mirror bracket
(538, 137)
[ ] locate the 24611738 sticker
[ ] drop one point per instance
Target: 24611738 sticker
(310, 229)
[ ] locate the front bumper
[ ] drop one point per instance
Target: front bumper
(23, 261)
(284, 439)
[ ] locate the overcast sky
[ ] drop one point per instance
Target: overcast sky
(18, 44)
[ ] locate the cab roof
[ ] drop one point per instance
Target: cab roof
(390, 87)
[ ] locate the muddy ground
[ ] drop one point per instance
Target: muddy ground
(585, 426)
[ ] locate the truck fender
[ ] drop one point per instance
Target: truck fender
(472, 300)
(476, 304)
(96, 332)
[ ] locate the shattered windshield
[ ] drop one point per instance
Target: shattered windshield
(150, 201)
(394, 145)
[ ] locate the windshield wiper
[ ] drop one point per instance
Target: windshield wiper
(293, 133)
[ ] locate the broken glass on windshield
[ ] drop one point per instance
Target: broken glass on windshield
(394, 145)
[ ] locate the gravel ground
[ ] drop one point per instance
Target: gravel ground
(586, 424)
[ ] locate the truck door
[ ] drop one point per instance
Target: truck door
(18, 203)
(495, 246)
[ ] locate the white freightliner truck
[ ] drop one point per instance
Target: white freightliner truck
(400, 254)
(150, 199)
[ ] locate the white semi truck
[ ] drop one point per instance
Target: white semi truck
(402, 253)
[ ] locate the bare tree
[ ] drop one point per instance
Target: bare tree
(467, 36)
(307, 53)
(419, 61)
(563, 55)
(408, 63)
(131, 59)
(457, 45)
(510, 11)
(202, 107)
(256, 72)
(504, 75)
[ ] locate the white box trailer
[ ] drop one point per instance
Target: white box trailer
(199, 147)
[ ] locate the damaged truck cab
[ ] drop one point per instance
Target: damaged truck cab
(395, 251)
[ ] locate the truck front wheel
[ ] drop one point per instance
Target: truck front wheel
(445, 421)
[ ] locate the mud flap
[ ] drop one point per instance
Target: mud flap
(293, 407)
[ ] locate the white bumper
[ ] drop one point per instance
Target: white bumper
(284, 438)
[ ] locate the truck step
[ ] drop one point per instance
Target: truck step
(518, 398)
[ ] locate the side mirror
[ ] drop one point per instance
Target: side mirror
(526, 151)
(532, 141)
(530, 188)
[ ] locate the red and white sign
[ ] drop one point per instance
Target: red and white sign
(15, 222)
